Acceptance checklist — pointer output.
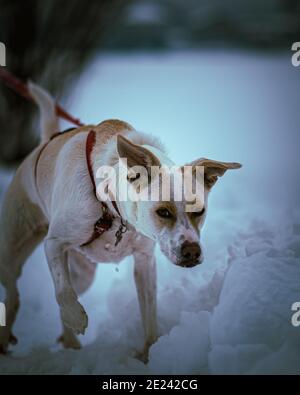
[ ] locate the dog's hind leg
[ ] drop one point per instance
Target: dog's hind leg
(20, 233)
(82, 273)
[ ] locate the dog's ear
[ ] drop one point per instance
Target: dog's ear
(214, 169)
(136, 155)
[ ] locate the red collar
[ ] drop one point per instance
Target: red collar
(105, 222)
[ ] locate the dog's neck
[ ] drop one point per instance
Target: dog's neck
(107, 155)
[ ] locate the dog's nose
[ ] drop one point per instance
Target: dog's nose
(190, 254)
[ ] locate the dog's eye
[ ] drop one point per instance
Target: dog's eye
(164, 213)
(199, 213)
(133, 178)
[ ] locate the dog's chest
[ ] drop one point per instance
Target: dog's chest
(104, 248)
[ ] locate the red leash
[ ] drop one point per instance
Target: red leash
(19, 87)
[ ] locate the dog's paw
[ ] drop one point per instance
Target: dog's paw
(142, 356)
(74, 317)
(13, 339)
(6, 338)
(3, 349)
(69, 341)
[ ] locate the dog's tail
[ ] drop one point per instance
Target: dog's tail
(48, 117)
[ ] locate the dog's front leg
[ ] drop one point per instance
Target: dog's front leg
(145, 280)
(72, 313)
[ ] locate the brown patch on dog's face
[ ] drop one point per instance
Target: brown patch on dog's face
(165, 215)
(197, 217)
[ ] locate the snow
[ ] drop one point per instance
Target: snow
(233, 313)
(253, 319)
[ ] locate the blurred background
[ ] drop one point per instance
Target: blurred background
(52, 42)
(210, 78)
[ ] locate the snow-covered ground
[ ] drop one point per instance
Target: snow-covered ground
(233, 313)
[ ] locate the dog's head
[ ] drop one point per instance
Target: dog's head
(173, 219)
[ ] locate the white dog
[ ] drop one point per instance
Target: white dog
(53, 198)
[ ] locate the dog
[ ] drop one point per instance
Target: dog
(53, 197)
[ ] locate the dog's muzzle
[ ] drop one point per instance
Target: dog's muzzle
(189, 254)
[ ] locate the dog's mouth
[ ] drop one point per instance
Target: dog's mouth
(188, 263)
(179, 261)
